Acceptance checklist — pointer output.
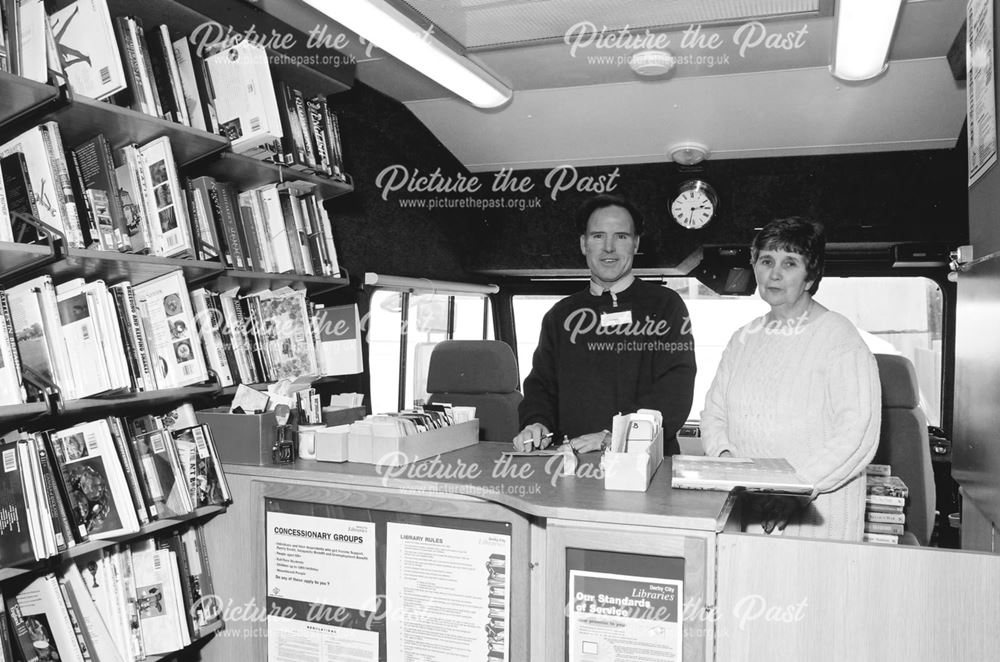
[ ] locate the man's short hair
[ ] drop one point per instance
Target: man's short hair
(794, 235)
(601, 201)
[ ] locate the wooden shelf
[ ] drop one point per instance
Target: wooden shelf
(84, 118)
(14, 416)
(255, 281)
(147, 530)
(17, 259)
(115, 267)
(21, 96)
(230, 391)
(133, 402)
(248, 173)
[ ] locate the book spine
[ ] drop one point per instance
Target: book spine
(245, 324)
(291, 230)
(881, 500)
(308, 141)
(316, 127)
(882, 527)
(65, 204)
(128, 467)
(886, 518)
(883, 538)
(60, 520)
(115, 206)
(8, 324)
(72, 614)
(149, 80)
(228, 224)
(91, 213)
(140, 339)
(292, 142)
(331, 126)
(255, 251)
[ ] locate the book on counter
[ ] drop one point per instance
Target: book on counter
(695, 472)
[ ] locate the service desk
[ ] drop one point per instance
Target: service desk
(745, 597)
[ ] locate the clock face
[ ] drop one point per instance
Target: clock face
(694, 206)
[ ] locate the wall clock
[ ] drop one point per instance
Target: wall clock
(694, 205)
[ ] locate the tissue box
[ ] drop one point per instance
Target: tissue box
(632, 471)
(332, 444)
(241, 438)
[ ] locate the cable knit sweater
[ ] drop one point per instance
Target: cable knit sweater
(809, 393)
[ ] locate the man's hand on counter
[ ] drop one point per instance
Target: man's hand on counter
(594, 441)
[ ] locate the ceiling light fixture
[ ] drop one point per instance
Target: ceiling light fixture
(864, 34)
(688, 153)
(652, 62)
(412, 44)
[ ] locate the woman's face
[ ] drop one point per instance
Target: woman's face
(781, 278)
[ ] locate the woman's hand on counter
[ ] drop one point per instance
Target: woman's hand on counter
(587, 443)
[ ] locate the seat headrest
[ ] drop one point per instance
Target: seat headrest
(899, 381)
(472, 366)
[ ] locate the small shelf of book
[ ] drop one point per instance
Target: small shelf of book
(85, 118)
(255, 281)
(249, 173)
(134, 403)
(149, 529)
(113, 267)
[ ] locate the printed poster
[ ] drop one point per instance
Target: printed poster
(320, 582)
(447, 594)
(980, 88)
(611, 613)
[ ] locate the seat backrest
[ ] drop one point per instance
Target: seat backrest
(480, 374)
(904, 443)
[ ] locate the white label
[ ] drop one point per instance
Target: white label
(616, 319)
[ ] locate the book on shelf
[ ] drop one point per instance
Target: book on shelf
(166, 205)
(130, 174)
(46, 620)
(98, 181)
(38, 332)
(94, 480)
(157, 581)
(200, 461)
(884, 527)
(245, 103)
(6, 636)
(166, 76)
(20, 200)
(194, 86)
(33, 55)
(85, 39)
(17, 544)
(11, 382)
(173, 339)
(92, 626)
(94, 343)
(726, 473)
(882, 538)
(168, 487)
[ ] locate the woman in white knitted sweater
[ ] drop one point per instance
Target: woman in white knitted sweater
(798, 383)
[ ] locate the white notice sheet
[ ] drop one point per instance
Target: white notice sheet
(447, 594)
(289, 640)
(618, 617)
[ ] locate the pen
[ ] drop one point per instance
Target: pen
(548, 435)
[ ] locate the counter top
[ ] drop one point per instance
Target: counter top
(531, 485)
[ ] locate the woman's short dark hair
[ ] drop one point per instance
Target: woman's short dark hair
(592, 204)
(794, 235)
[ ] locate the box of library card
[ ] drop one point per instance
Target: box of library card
(241, 438)
(636, 451)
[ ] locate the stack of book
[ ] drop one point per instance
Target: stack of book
(104, 479)
(118, 604)
(885, 504)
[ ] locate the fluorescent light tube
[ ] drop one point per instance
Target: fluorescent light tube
(864, 34)
(387, 28)
(427, 285)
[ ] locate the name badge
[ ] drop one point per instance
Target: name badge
(616, 318)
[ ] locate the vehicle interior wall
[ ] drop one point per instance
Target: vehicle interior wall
(977, 353)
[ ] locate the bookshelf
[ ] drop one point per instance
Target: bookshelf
(24, 104)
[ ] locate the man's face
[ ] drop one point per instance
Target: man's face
(609, 245)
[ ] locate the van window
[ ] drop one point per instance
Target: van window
(429, 319)
(894, 315)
